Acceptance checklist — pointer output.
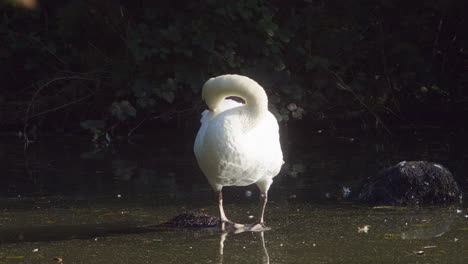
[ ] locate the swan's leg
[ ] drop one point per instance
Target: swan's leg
(221, 209)
(224, 219)
(259, 224)
(264, 184)
(263, 202)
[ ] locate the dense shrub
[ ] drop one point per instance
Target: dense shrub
(114, 64)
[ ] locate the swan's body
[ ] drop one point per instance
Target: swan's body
(238, 144)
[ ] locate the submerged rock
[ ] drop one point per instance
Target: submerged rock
(411, 183)
(193, 220)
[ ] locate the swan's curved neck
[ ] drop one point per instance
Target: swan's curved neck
(217, 89)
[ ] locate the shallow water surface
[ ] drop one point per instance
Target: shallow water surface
(301, 232)
(68, 200)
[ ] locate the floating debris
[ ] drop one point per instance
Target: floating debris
(58, 260)
(35, 250)
(392, 236)
(193, 220)
(363, 229)
(426, 247)
(419, 252)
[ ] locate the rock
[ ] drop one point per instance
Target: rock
(411, 183)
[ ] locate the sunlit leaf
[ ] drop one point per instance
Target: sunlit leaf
(122, 110)
(168, 96)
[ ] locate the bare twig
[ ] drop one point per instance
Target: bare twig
(31, 103)
(170, 112)
(345, 87)
(137, 126)
(436, 39)
(48, 50)
(98, 50)
(48, 83)
(62, 106)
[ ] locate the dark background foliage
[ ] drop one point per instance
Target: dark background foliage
(117, 66)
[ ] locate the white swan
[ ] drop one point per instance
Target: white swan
(238, 144)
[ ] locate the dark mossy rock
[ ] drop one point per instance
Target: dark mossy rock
(193, 220)
(411, 183)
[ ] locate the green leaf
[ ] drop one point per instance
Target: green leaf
(168, 96)
(51, 47)
(167, 91)
(93, 125)
(317, 62)
(142, 88)
(146, 102)
(121, 72)
(122, 110)
(245, 13)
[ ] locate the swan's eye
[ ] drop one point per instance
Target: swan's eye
(237, 99)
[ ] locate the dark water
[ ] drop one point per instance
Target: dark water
(67, 198)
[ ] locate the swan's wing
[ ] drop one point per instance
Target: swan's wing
(223, 106)
(204, 116)
(205, 122)
(267, 137)
(197, 147)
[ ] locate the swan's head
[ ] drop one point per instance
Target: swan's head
(217, 89)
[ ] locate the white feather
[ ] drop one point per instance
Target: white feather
(238, 144)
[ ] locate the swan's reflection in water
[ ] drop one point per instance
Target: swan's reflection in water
(222, 240)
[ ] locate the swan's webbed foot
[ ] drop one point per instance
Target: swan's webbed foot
(258, 226)
(254, 227)
(230, 225)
